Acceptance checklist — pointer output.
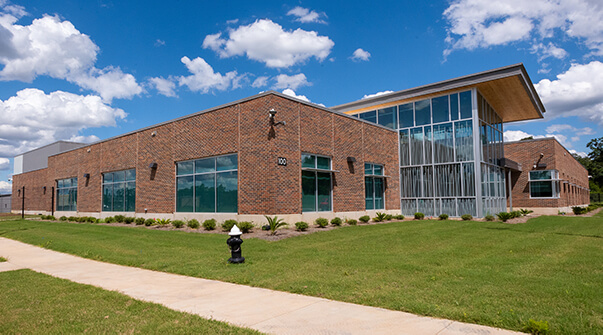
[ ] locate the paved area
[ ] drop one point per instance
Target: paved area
(261, 309)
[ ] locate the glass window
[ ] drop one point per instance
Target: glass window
(423, 112)
(369, 116)
(373, 186)
(406, 115)
(387, 117)
(416, 145)
(443, 143)
(212, 188)
(544, 184)
(404, 148)
(66, 194)
(439, 107)
(119, 191)
(466, 109)
(463, 131)
(316, 185)
(454, 107)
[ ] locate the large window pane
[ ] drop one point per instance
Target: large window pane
(118, 197)
(464, 140)
(410, 182)
(379, 203)
(541, 189)
(406, 115)
(205, 165)
(119, 176)
(369, 116)
(183, 168)
(228, 162)
(454, 107)
(439, 108)
(443, 143)
(404, 148)
(428, 144)
(466, 109)
(422, 112)
(66, 194)
(538, 175)
(205, 193)
(416, 146)
(184, 194)
(468, 179)
(108, 197)
(324, 191)
(226, 192)
(130, 196)
(387, 117)
(368, 193)
(323, 163)
(308, 161)
(130, 175)
(119, 191)
(308, 191)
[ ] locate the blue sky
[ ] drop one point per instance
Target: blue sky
(89, 70)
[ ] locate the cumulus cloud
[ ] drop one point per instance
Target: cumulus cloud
(516, 135)
(360, 55)
(164, 86)
(579, 153)
(292, 82)
(32, 119)
(260, 82)
(366, 96)
(549, 50)
(55, 48)
(4, 163)
(267, 42)
(484, 23)
(203, 78)
(576, 92)
(305, 15)
(291, 93)
(5, 187)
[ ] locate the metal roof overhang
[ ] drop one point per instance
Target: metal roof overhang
(509, 91)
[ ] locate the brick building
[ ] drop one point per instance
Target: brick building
(547, 178)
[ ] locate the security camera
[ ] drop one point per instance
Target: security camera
(272, 113)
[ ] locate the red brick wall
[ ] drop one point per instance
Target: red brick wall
(244, 128)
(556, 157)
(36, 199)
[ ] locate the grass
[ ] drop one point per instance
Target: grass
(549, 269)
(34, 303)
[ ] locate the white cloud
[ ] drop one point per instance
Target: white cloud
(360, 55)
(55, 48)
(292, 82)
(483, 23)
(305, 15)
(549, 50)
(579, 153)
(576, 92)
(267, 42)
(291, 93)
(366, 96)
(159, 43)
(204, 79)
(5, 187)
(165, 87)
(4, 163)
(516, 135)
(260, 82)
(32, 119)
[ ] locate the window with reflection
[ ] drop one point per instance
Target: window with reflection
(316, 183)
(544, 184)
(66, 194)
(119, 191)
(374, 186)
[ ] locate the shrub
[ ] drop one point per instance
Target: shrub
(336, 221)
(228, 224)
(81, 219)
(380, 217)
(109, 219)
(63, 218)
(389, 217)
(525, 212)
(364, 218)
(301, 226)
(466, 217)
(515, 214)
(579, 210)
(91, 219)
(537, 327)
(50, 217)
(128, 220)
(443, 217)
(209, 224)
(399, 217)
(149, 222)
(275, 223)
(245, 226)
(72, 219)
(504, 216)
(321, 222)
(120, 218)
(178, 223)
(163, 222)
(352, 222)
(193, 224)
(489, 217)
(139, 221)
(419, 216)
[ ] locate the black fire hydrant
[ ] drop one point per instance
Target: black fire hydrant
(234, 242)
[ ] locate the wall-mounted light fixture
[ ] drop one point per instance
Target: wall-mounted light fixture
(351, 160)
(88, 150)
(86, 175)
(153, 166)
(44, 189)
(153, 134)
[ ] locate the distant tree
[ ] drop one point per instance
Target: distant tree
(596, 147)
(527, 138)
(594, 164)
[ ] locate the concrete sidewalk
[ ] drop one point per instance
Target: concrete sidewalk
(261, 309)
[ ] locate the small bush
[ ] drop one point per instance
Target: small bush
(109, 219)
(364, 218)
(163, 222)
(399, 217)
(209, 224)
(466, 217)
(301, 226)
(336, 221)
(178, 223)
(525, 212)
(489, 217)
(443, 217)
(50, 217)
(120, 218)
(537, 327)
(389, 217)
(91, 219)
(419, 216)
(579, 210)
(228, 224)
(380, 217)
(193, 224)
(515, 214)
(504, 216)
(81, 219)
(245, 226)
(352, 222)
(275, 223)
(128, 220)
(63, 218)
(321, 222)
(72, 219)
(149, 222)
(139, 221)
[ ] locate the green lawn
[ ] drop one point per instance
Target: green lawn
(34, 303)
(550, 268)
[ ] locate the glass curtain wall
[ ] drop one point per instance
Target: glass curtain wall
(208, 185)
(437, 156)
(119, 191)
(66, 194)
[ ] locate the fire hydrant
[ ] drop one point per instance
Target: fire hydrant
(234, 242)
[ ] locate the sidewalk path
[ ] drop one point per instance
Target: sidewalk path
(261, 309)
